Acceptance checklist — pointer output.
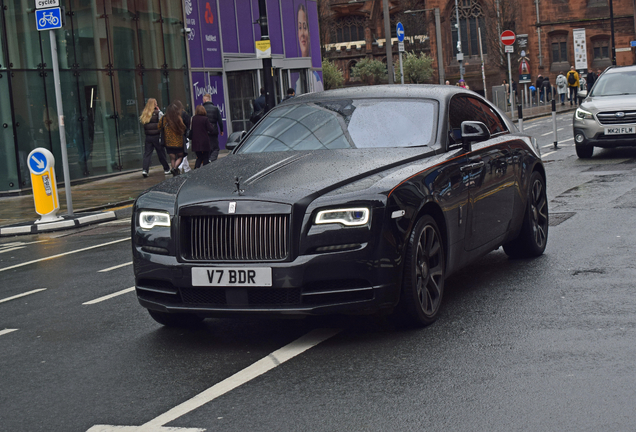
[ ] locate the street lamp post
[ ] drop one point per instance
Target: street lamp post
(460, 54)
(611, 10)
(387, 40)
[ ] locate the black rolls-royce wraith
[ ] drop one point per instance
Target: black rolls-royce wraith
(347, 201)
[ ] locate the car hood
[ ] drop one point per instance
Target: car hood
(610, 103)
(288, 177)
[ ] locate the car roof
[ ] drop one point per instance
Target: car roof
(616, 69)
(417, 91)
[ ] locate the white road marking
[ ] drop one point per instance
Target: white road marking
(560, 129)
(547, 133)
(569, 139)
(109, 296)
(547, 154)
(115, 267)
(21, 295)
(7, 331)
(63, 254)
(108, 428)
(257, 369)
(546, 146)
(12, 249)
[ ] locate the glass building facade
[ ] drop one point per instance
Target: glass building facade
(115, 54)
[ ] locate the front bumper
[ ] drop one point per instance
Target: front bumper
(330, 283)
(593, 134)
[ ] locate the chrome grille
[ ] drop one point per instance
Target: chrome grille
(237, 238)
(609, 118)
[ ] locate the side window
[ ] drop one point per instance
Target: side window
(492, 120)
(461, 109)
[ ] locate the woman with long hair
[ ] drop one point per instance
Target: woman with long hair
(184, 166)
(303, 31)
(202, 130)
(150, 118)
(174, 128)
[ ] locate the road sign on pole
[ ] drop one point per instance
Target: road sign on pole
(399, 29)
(48, 19)
(42, 166)
(508, 37)
(45, 4)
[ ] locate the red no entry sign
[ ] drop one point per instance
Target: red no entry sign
(508, 37)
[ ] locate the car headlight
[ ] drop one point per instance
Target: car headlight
(348, 217)
(582, 114)
(151, 219)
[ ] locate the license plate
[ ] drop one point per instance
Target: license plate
(623, 130)
(232, 276)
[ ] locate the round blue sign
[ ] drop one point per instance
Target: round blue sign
(400, 32)
(38, 162)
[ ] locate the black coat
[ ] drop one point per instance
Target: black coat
(214, 115)
(201, 130)
(153, 134)
(259, 103)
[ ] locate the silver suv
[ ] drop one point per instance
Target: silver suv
(607, 115)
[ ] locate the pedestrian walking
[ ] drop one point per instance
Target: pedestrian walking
(173, 126)
(259, 106)
(573, 85)
(547, 89)
(200, 132)
(539, 87)
(149, 119)
(582, 81)
(290, 94)
(562, 86)
(590, 78)
(184, 167)
(214, 116)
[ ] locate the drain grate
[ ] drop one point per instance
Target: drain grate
(559, 218)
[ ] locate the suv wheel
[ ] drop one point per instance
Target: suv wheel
(584, 151)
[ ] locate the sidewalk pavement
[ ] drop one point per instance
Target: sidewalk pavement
(116, 194)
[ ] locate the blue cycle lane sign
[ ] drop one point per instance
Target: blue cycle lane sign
(48, 19)
(400, 32)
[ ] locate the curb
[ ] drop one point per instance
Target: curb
(67, 223)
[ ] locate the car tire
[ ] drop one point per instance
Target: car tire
(424, 274)
(175, 319)
(533, 237)
(584, 151)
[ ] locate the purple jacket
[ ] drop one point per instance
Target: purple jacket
(200, 127)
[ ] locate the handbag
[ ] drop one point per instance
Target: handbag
(256, 116)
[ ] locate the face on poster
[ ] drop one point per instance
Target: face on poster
(302, 29)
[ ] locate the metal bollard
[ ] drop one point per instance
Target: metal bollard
(554, 125)
(520, 115)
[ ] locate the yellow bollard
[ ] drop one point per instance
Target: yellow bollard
(42, 166)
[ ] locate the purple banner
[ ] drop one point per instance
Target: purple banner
(312, 11)
(244, 21)
(228, 20)
(210, 37)
(202, 83)
(194, 37)
(289, 29)
(274, 26)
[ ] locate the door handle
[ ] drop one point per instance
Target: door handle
(466, 168)
(478, 164)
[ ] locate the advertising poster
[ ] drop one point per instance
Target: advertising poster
(312, 11)
(274, 23)
(230, 41)
(194, 36)
(289, 29)
(244, 22)
(210, 38)
(580, 49)
(204, 82)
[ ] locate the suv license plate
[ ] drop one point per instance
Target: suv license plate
(232, 276)
(619, 130)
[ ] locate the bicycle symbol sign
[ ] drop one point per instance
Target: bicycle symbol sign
(48, 19)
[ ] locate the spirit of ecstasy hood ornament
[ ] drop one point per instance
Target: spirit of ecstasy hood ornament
(237, 182)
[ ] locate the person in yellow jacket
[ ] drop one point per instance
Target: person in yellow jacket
(573, 85)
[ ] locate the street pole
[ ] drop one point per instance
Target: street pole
(611, 10)
(387, 40)
(62, 129)
(438, 37)
(512, 108)
(460, 54)
(483, 72)
(268, 70)
(401, 69)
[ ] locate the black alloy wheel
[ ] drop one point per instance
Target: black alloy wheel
(423, 286)
(533, 237)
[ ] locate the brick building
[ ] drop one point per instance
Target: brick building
(352, 30)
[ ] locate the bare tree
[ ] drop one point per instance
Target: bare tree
(501, 15)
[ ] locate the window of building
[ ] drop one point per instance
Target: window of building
(348, 29)
(601, 49)
(471, 19)
(559, 52)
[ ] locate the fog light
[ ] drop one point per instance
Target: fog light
(579, 138)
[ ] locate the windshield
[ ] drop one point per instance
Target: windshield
(615, 83)
(344, 124)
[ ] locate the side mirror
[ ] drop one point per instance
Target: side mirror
(582, 94)
(474, 131)
(234, 139)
